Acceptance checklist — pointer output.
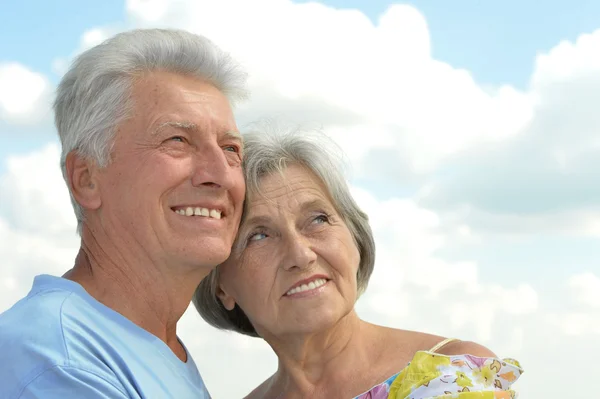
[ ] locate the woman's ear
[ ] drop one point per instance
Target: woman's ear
(81, 176)
(226, 299)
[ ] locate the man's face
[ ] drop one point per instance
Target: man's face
(174, 189)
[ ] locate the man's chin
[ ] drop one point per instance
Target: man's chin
(205, 257)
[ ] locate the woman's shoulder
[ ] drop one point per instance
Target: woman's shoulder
(442, 366)
(406, 342)
(411, 342)
(432, 375)
(439, 366)
(458, 347)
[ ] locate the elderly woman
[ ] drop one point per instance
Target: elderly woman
(303, 255)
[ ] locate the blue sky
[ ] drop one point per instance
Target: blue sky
(495, 41)
(41, 31)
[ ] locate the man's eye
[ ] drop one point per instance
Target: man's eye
(232, 148)
(178, 138)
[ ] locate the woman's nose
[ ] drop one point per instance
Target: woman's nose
(300, 253)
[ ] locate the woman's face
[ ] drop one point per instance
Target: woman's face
(293, 267)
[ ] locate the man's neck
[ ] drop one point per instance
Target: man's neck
(131, 284)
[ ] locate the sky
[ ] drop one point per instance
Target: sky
(471, 134)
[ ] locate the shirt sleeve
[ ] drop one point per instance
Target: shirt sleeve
(62, 382)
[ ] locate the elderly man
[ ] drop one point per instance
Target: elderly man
(152, 159)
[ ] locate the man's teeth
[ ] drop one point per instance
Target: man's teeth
(306, 287)
(189, 211)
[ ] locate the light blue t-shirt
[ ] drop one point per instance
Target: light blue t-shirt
(59, 342)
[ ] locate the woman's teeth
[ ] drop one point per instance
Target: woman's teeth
(307, 287)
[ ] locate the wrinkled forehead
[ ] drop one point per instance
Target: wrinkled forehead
(292, 187)
(169, 97)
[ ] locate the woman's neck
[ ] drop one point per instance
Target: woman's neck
(309, 363)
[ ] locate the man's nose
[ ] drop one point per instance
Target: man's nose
(212, 168)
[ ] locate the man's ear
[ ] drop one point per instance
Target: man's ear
(82, 179)
(226, 299)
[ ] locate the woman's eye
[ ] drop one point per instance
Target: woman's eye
(321, 219)
(257, 236)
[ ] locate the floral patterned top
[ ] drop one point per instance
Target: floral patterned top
(433, 376)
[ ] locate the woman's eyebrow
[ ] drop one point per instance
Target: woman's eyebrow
(255, 220)
(315, 203)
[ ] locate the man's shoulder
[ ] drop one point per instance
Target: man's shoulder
(45, 324)
(43, 312)
(35, 317)
(31, 336)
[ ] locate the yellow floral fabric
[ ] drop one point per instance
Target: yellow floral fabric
(433, 376)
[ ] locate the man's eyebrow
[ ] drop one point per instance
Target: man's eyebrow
(229, 134)
(233, 134)
(178, 125)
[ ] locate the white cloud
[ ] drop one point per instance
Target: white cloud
(89, 39)
(567, 60)
(37, 224)
(585, 289)
(543, 178)
(514, 223)
(382, 73)
(24, 95)
(148, 10)
(93, 37)
(410, 277)
(34, 196)
(576, 325)
(60, 66)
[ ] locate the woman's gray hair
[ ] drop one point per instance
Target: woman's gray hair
(93, 97)
(267, 152)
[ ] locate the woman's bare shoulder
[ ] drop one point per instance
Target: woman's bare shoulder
(408, 340)
(407, 343)
(396, 348)
(466, 348)
(419, 341)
